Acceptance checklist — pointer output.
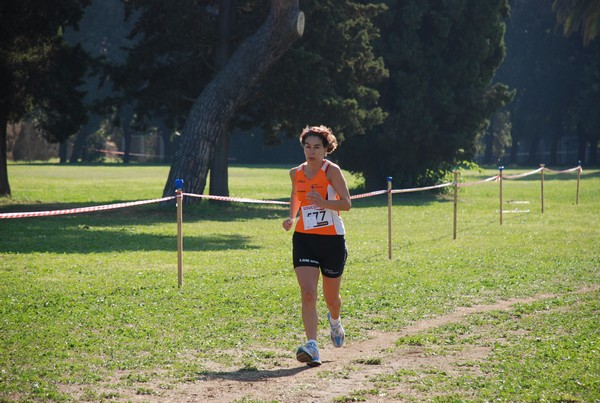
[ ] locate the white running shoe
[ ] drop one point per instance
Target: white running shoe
(337, 333)
(309, 353)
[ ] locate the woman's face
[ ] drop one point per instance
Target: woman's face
(314, 150)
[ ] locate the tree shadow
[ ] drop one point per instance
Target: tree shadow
(71, 235)
(246, 375)
(413, 199)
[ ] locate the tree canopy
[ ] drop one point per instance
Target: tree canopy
(40, 72)
(442, 57)
(409, 87)
(578, 15)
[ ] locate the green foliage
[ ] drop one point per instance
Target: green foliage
(328, 77)
(40, 71)
(550, 76)
(170, 61)
(317, 81)
(582, 15)
(442, 57)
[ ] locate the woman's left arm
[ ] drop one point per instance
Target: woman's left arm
(338, 182)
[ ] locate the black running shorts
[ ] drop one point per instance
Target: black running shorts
(327, 252)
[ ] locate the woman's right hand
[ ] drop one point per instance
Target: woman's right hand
(288, 224)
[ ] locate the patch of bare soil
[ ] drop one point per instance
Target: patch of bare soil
(343, 371)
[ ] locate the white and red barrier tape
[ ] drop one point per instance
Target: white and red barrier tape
(235, 199)
(246, 200)
(517, 176)
(564, 171)
(131, 154)
(423, 188)
(363, 195)
(492, 178)
(82, 209)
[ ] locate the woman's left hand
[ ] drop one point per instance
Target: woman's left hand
(315, 197)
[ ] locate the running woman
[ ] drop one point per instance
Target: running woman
(319, 193)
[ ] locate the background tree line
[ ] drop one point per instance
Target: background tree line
(413, 89)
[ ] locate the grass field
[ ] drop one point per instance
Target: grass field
(92, 299)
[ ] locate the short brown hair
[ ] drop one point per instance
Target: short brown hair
(324, 133)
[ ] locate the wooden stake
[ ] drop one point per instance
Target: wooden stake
(500, 176)
(578, 180)
(542, 166)
(389, 189)
(455, 200)
(179, 199)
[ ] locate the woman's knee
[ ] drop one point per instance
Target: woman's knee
(309, 296)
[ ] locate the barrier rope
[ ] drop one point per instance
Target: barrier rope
(464, 185)
(517, 176)
(247, 200)
(131, 154)
(420, 189)
(565, 170)
(363, 195)
(234, 199)
(82, 209)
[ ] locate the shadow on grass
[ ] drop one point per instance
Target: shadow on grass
(247, 375)
(413, 199)
(80, 236)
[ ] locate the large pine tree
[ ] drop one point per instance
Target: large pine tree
(442, 56)
(40, 72)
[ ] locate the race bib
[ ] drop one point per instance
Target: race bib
(316, 217)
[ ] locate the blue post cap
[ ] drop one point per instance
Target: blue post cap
(501, 168)
(389, 178)
(579, 162)
(178, 184)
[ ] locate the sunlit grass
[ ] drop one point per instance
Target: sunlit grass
(89, 298)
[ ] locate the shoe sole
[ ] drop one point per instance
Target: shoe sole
(333, 338)
(335, 344)
(303, 356)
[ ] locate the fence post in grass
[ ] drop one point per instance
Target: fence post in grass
(500, 179)
(455, 185)
(389, 190)
(578, 180)
(179, 198)
(543, 168)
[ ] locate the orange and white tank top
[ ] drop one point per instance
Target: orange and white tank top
(313, 219)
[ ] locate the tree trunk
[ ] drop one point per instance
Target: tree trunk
(594, 151)
(581, 143)
(489, 147)
(62, 152)
(230, 88)
(4, 185)
(533, 150)
(90, 128)
(554, 150)
(219, 179)
(126, 145)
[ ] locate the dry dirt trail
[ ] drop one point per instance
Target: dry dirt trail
(341, 372)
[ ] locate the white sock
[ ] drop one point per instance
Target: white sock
(335, 322)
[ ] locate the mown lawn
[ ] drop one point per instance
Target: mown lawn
(86, 297)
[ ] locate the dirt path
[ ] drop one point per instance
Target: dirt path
(342, 371)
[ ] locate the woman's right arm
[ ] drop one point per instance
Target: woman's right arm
(288, 223)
